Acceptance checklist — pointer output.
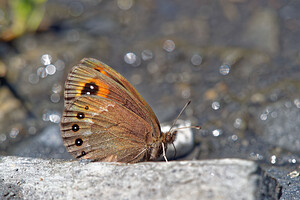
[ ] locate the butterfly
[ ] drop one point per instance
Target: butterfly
(106, 119)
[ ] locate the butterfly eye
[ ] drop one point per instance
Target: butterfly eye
(80, 115)
(75, 128)
(90, 89)
(78, 142)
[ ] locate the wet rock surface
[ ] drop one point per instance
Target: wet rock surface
(207, 179)
(238, 61)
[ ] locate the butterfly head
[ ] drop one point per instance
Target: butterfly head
(170, 136)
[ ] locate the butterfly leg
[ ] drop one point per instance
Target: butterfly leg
(164, 152)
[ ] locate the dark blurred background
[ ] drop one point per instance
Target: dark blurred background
(237, 60)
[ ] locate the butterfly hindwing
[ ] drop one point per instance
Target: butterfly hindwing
(100, 129)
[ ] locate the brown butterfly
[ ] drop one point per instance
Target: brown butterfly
(106, 119)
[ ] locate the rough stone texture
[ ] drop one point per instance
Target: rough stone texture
(30, 178)
(287, 182)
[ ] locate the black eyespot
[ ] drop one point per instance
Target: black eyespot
(97, 70)
(83, 153)
(86, 108)
(78, 142)
(90, 89)
(75, 128)
(80, 115)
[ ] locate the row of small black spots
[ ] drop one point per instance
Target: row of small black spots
(78, 142)
(80, 115)
(82, 154)
(75, 128)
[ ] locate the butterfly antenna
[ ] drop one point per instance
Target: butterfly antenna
(195, 127)
(184, 107)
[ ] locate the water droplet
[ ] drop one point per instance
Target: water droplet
(297, 103)
(33, 78)
(215, 105)
(56, 88)
(137, 62)
(54, 117)
(60, 65)
(55, 98)
(41, 71)
(256, 156)
(292, 160)
(171, 77)
(125, 4)
(185, 76)
(263, 117)
(288, 104)
(2, 137)
(147, 54)
(136, 79)
(46, 116)
(196, 59)
(234, 138)
(32, 130)
(224, 69)
(273, 159)
(237, 123)
(152, 68)
(130, 58)
(169, 45)
(46, 59)
(217, 132)
(186, 92)
(14, 132)
(50, 69)
(274, 114)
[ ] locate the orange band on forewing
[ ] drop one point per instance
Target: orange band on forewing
(102, 71)
(99, 67)
(103, 92)
(105, 73)
(99, 83)
(103, 89)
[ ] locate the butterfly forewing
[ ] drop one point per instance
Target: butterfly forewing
(103, 130)
(91, 77)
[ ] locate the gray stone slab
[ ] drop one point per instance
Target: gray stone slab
(30, 178)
